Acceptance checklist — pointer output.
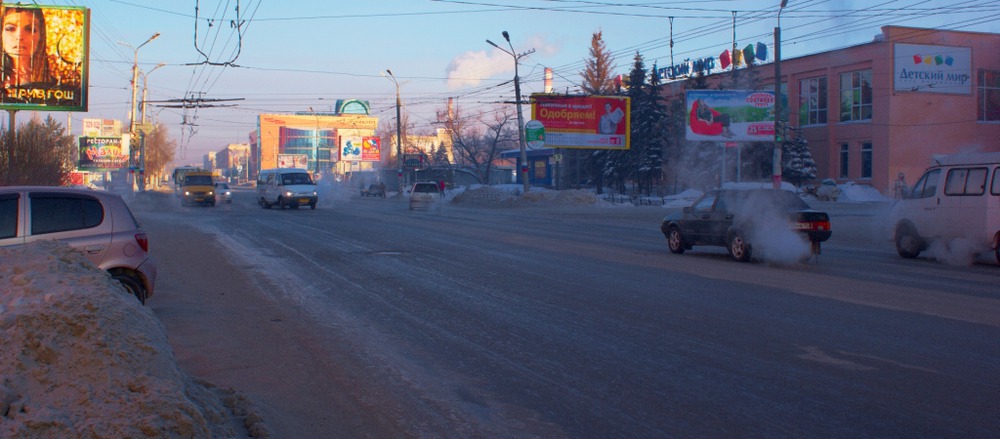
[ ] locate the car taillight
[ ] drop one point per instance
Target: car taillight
(143, 241)
(823, 225)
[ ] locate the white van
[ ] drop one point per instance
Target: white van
(286, 187)
(957, 197)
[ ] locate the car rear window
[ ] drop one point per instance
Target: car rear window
(53, 212)
(425, 188)
(8, 215)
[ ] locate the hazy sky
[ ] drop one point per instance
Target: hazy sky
(293, 55)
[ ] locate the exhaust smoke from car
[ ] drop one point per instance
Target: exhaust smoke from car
(774, 240)
(957, 251)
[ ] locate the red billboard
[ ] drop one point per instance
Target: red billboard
(44, 57)
(589, 122)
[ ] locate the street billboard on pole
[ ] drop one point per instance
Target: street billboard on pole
(729, 115)
(583, 122)
(48, 71)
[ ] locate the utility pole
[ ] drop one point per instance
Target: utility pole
(778, 123)
(399, 133)
(134, 107)
(517, 96)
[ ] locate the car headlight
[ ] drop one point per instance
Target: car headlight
(210, 193)
(227, 193)
(187, 193)
(288, 193)
(314, 193)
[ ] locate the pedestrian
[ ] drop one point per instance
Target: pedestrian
(899, 187)
(441, 187)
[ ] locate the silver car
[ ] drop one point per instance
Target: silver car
(222, 193)
(97, 223)
(425, 195)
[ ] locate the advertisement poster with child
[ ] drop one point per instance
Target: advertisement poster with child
(730, 116)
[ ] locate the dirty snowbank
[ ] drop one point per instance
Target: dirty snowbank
(80, 357)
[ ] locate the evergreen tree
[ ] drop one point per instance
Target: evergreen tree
(39, 153)
(797, 164)
(643, 162)
(597, 80)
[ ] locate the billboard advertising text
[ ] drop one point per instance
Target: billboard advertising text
(730, 115)
(44, 60)
(101, 153)
(589, 122)
(299, 161)
(371, 150)
(932, 69)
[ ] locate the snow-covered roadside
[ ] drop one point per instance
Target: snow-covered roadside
(80, 357)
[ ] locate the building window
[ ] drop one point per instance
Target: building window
(866, 160)
(989, 96)
(844, 160)
(856, 96)
(812, 101)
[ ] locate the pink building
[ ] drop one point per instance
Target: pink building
(874, 110)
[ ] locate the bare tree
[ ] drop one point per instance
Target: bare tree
(478, 140)
(40, 153)
(160, 151)
(386, 133)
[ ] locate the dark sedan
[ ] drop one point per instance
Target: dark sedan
(737, 219)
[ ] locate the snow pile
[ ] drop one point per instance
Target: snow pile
(80, 357)
(510, 195)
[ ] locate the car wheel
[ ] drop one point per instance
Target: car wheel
(675, 241)
(908, 242)
(739, 248)
(281, 203)
(131, 284)
(312, 206)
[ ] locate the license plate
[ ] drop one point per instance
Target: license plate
(303, 201)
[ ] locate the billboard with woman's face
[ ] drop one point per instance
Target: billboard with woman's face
(43, 57)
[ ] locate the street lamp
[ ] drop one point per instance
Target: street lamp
(517, 96)
(399, 131)
(142, 142)
(132, 109)
(778, 124)
(145, 79)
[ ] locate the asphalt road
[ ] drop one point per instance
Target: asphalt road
(362, 319)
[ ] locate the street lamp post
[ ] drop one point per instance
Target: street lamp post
(778, 123)
(145, 82)
(517, 96)
(399, 132)
(142, 141)
(133, 107)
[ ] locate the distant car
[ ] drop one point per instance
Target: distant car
(222, 193)
(734, 218)
(97, 223)
(425, 195)
(373, 190)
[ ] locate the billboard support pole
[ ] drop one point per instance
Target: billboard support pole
(10, 135)
(778, 139)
